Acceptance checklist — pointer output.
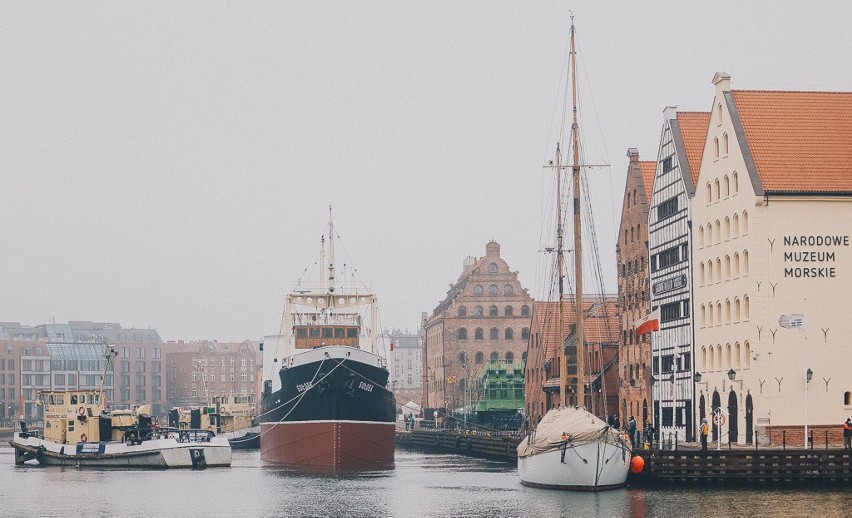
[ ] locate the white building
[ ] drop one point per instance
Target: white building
(669, 245)
(771, 220)
(405, 363)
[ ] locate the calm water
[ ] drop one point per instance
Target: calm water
(420, 485)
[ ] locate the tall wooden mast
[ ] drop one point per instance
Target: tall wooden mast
(578, 234)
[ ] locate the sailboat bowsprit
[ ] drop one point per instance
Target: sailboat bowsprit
(571, 448)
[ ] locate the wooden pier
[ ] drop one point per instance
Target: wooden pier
(686, 466)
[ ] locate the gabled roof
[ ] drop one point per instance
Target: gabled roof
(648, 168)
(693, 131)
(601, 322)
(799, 141)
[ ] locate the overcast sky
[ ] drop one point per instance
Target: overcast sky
(171, 164)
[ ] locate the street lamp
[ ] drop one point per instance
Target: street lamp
(697, 379)
(732, 374)
(809, 374)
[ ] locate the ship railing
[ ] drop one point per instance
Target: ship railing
(183, 435)
(24, 431)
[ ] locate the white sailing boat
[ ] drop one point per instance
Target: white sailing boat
(571, 448)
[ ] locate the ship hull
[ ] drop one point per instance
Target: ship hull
(606, 467)
(333, 445)
(332, 412)
(155, 453)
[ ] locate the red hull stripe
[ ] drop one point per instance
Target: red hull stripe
(343, 445)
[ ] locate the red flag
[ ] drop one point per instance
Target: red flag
(649, 323)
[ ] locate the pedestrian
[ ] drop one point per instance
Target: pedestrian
(564, 446)
(631, 430)
(649, 433)
(617, 424)
(705, 431)
(847, 433)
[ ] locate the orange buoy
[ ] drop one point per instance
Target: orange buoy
(637, 464)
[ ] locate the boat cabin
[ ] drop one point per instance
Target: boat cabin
(79, 416)
(310, 336)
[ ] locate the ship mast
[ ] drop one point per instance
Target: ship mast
(578, 237)
(560, 265)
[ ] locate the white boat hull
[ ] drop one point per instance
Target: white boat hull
(155, 453)
(605, 467)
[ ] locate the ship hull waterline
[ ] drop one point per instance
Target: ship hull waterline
(329, 445)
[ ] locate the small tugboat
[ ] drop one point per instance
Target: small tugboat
(230, 415)
(80, 431)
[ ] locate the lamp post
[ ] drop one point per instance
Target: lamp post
(732, 374)
(809, 374)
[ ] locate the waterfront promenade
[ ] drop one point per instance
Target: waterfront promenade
(684, 463)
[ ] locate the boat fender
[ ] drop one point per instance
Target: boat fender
(84, 438)
(81, 410)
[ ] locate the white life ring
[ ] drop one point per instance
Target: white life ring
(81, 410)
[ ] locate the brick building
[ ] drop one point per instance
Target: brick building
(634, 357)
(485, 316)
(200, 370)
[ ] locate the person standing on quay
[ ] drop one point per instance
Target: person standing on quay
(847, 433)
(631, 429)
(705, 431)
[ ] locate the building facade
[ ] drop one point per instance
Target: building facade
(197, 371)
(634, 358)
(405, 363)
(771, 215)
(485, 316)
(541, 377)
(669, 247)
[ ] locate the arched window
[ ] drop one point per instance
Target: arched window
(494, 356)
(492, 311)
(736, 185)
(509, 334)
(718, 232)
(847, 398)
(478, 334)
(479, 357)
(709, 191)
(747, 348)
(477, 290)
(709, 272)
(477, 311)
(728, 355)
(492, 267)
(727, 311)
(718, 313)
(700, 236)
(525, 333)
(508, 291)
(745, 222)
(703, 315)
(632, 235)
(727, 267)
(524, 356)
(462, 358)
(737, 353)
(737, 314)
(710, 314)
(492, 290)
(745, 308)
(718, 356)
(745, 262)
(525, 311)
(709, 233)
(727, 228)
(725, 147)
(462, 334)
(717, 191)
(736, 265)
(701, 274)
(719, 112)
(507, 311)
(704, 357)
(726, 186)
(462, 311)
(716, 147)
(718, 269)
(493, 334)
(510, 356)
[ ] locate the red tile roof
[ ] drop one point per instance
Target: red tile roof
(693, 131)
(601, 324)
(800, 141)
(649, 168)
